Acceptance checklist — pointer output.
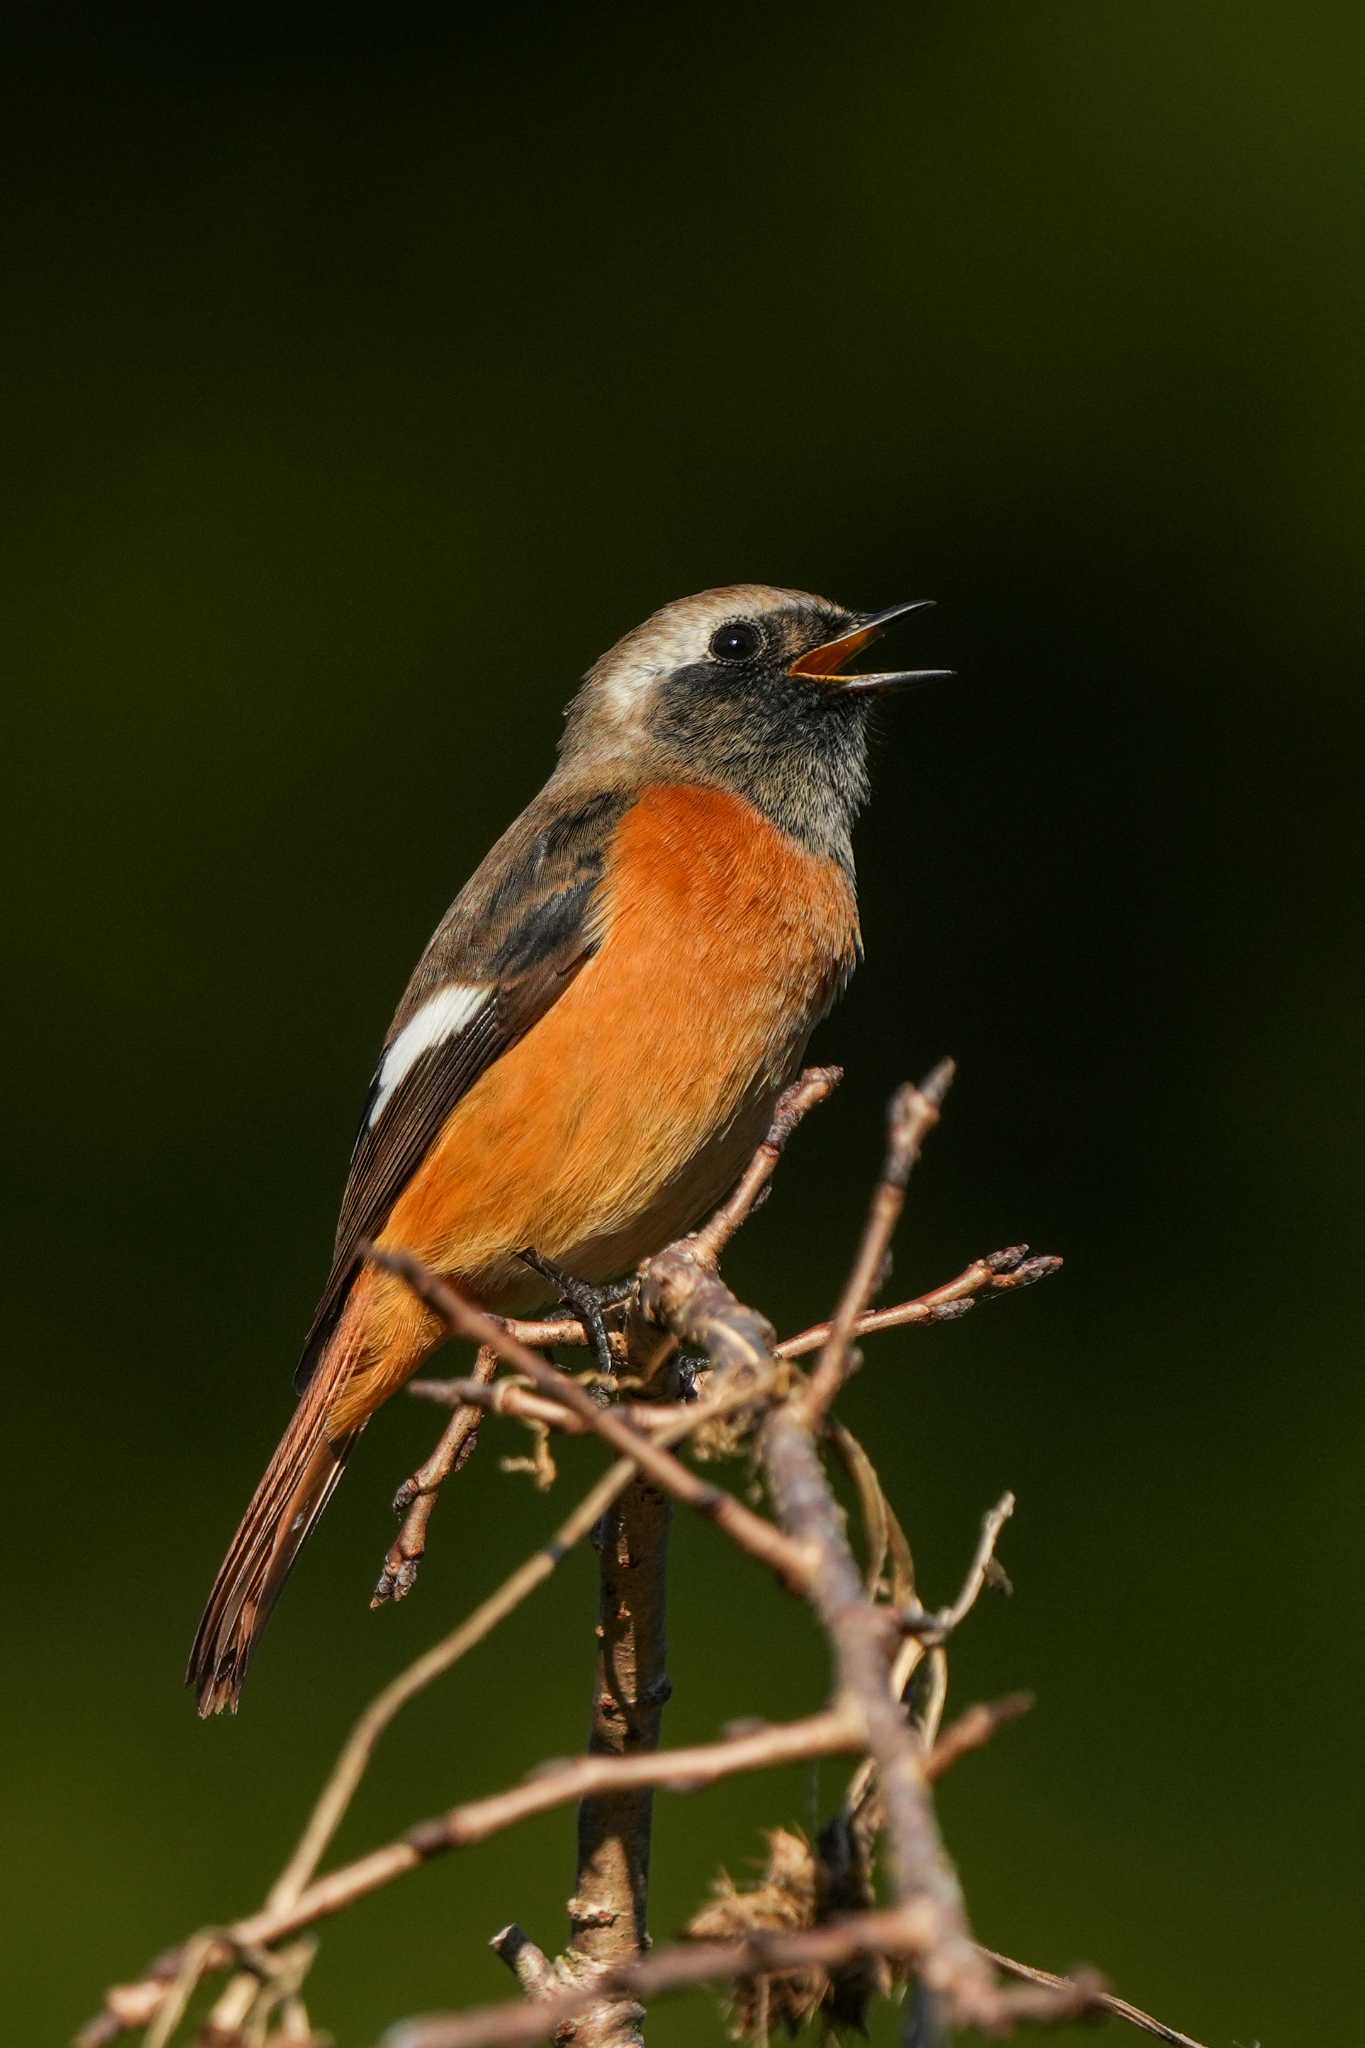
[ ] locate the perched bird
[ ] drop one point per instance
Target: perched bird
(590, 1047)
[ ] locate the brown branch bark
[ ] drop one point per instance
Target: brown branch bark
(1102, 2002)
(697, 1306)
(599, 1983)
(416, 1498)
(814, 1086)
(554, 1785)
(892, 1931)
(948, 1961)
(609, 1909)
(752, 1532)
(913, 1114)
(1001, 1272)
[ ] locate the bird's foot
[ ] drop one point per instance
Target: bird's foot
(589, 1302)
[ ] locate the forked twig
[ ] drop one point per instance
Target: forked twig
(913, 1114)
(1002, 1272)
(599, 1988)
(893, 1931)
(814, 1086)
(752, 1532)
(1102, 2001)
(936, 1628)
(416, 1498)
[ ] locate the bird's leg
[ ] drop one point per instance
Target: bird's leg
(588, 1302)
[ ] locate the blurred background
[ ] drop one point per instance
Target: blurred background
(367, 377)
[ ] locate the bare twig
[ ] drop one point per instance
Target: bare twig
(609, 1909)
(506, 1397)
(359, 1746)
(543, 1333)
(565, 1782)
(836, 1731)
(597, 1984)
(890, 1932)
(948, 1960)
(355, 1755)
(913, 1114)
(750, 1531)
(1000, 1272)
(530, 1965)
(1102, 2001)
(814, 1086)
(895, 1931)
(690, 1299)
(416, 1498)
(929, 1633)
(935, 1628)
(973, 1730)
(554, 1785)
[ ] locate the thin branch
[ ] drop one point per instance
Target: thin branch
(894, 1931)
(416, 1498)
(609, 1909)
(833, 1732)
(935, 1628)
(836, 1731)
(814, 1086)
(948, 1961)
(889, 1932)
(555, 1784)
(508, 1397)
(359, 1746)
(1102, 2001)
(544, 1333)
(682, 1296)
(1001, 1272)
(913, 1114)
(292, 1903)
(695, 1303)
(973, 1730)
(752, 1532)
(353, 1761)
(530, 1965)
(929, 1633)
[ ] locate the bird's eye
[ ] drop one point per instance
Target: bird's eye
(736, 642)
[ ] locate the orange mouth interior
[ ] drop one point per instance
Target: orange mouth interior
(829, 659)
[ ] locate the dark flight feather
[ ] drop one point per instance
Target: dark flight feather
(523, 927)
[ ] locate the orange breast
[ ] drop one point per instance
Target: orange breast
(724, 942)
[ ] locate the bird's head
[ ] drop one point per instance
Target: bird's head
(750, 688)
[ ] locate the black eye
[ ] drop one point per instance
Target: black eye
(736, 642)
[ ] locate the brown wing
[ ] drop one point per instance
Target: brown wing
(509, 946)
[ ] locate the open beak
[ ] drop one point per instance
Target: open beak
(827, 661)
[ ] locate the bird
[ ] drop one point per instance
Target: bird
(589, 1048)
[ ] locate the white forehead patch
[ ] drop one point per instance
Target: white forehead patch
(440, 1017)
(677, 636)
(662, 646)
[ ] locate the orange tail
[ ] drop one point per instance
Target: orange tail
(296, 1487)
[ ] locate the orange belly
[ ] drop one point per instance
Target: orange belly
(634, 1101)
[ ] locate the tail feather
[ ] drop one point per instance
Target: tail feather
(295, 1488)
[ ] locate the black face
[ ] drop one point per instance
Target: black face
(793, 745)
(770, 644)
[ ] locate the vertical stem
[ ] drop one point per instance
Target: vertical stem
(920, 1866)
(609, 1911)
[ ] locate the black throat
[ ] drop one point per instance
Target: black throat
(794, 747)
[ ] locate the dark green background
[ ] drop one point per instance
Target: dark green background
(364, 381)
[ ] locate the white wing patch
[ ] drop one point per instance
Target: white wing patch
(440, 1017)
